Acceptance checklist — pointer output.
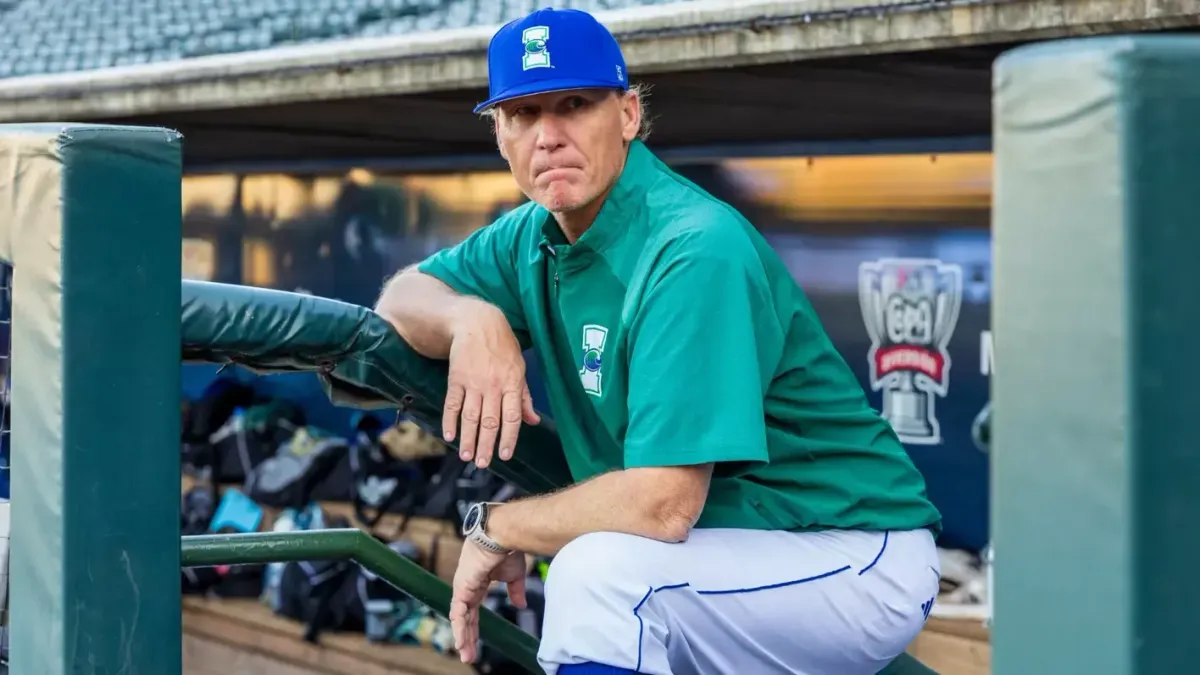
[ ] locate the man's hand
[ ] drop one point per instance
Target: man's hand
(486, 387)
(477, 569)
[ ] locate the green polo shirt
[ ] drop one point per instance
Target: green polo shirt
(671, 334)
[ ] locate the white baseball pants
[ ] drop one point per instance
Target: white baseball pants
(739, 601)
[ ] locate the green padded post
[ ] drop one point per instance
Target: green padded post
(1097, 170)
(90, 219)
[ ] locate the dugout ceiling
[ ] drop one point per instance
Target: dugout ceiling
(918, 95)
(811, 77)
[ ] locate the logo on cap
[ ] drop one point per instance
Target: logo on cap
(536, 54)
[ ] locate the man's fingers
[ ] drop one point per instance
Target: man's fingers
(527, 411)
(516, 593)
(472, 404)
(464, 620)
(472, 634)
(451, 411)
(489, 426)
(458, 625)
(511, 419)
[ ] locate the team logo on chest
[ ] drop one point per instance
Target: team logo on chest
(590, 372)
(536, 55)
(910, 308)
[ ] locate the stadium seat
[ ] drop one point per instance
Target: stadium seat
(80, 35)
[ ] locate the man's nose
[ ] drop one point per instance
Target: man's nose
(550, 132)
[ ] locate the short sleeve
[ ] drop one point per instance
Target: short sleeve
(484, 265)
(703, 348)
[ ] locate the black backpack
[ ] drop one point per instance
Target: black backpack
(195, 513)
(323, 594)
(387, 608)
(246, 438)
(449, 488)
(378, 482)
(206, 414)
(339, 595)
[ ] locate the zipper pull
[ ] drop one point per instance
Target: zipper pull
(553, 255)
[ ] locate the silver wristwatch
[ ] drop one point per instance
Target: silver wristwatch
(475, 527)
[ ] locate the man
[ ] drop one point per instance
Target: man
(739, 507)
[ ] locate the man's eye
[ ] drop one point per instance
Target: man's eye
(523, 111)
(576, 102)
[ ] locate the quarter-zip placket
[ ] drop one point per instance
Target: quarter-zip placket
(552, 256)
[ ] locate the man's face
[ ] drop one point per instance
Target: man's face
(567, 148)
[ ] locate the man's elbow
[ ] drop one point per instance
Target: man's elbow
(677, 502)
(389, 290)
(674, 525)
(416, 305)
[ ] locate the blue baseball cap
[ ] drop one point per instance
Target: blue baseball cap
(552, 50)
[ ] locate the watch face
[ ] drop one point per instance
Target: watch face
(471, 521)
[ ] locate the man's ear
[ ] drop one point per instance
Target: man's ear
(631, 115)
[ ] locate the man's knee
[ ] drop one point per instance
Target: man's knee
(594, 586)
(605, 569)
(591, 562)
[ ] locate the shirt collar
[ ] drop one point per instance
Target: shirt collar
(619, 205)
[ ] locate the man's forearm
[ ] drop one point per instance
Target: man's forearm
(660, 504)
(423, 310)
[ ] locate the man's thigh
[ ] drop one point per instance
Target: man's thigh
(728, 600)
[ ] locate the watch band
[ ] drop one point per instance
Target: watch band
(475, 528)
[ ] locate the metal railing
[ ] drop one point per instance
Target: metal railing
(208, 550)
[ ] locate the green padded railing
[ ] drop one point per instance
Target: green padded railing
(206, 550)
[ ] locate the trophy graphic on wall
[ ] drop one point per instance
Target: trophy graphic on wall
(910, 307)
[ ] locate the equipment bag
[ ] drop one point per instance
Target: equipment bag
(195, 513)
(447, 493)
(249, 437)
(234, 513)
(324, 594)
(380, 482)
(289, 478)
(387, 607)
